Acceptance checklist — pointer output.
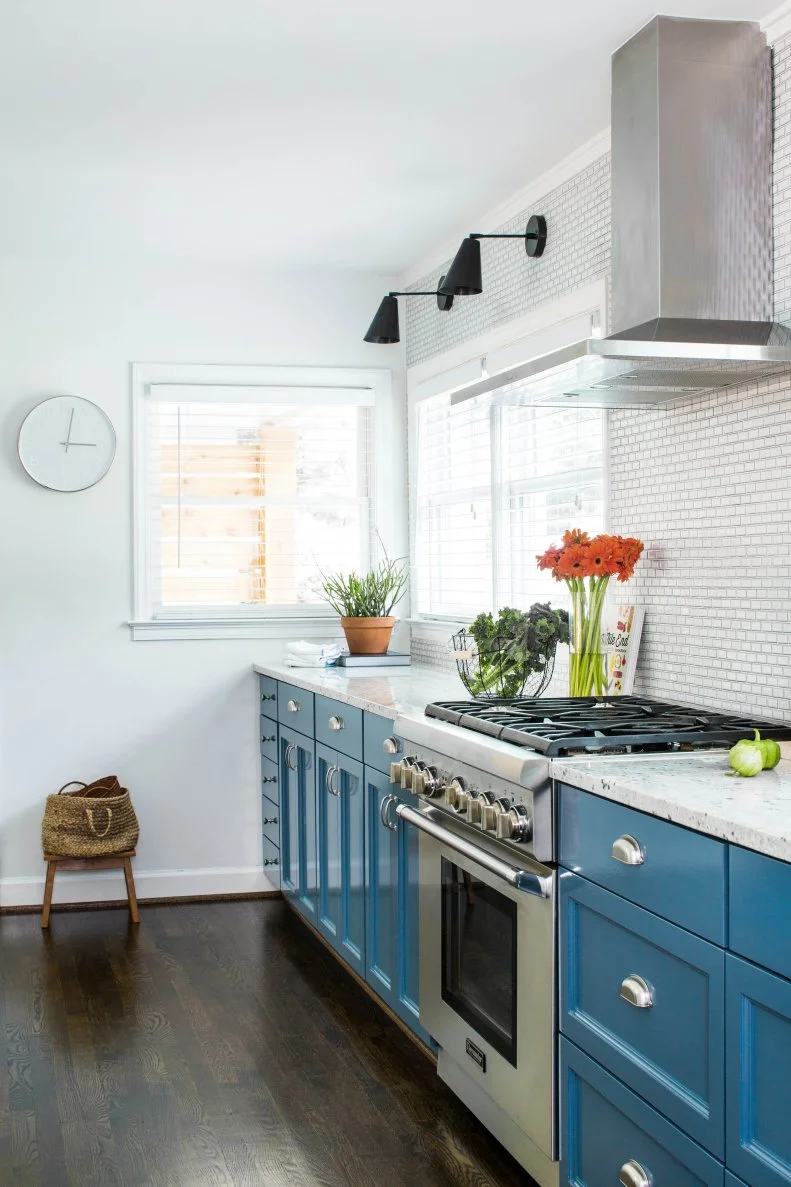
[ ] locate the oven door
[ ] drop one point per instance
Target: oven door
(487, 961)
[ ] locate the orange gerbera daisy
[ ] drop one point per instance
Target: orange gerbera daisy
(575, 536)
(575, 561)
(550, 558)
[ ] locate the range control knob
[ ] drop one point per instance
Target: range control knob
(515, 825)
(476, 805)
(425, 781)
(491, 813)
(453, 791)
(407, 770)
(396, 772)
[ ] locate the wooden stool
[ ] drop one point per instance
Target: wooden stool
(118, 861)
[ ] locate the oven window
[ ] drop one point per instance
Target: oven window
(479, 957)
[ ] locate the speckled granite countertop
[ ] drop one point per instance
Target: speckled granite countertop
(694, 790)
(390, 692)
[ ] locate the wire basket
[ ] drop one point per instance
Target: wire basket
(497, 675)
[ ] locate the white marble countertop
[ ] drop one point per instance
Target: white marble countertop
(390, 692)
(694, 790)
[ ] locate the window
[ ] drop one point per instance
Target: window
(495, 484)
(247, 492)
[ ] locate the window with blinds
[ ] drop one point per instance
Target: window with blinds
(495, 485)
(252, 493)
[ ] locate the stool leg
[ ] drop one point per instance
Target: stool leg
(48, 888)
(130, 890)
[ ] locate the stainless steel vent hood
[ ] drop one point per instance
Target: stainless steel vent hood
(692, 288)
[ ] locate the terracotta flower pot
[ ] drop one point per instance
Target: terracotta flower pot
(368, 636)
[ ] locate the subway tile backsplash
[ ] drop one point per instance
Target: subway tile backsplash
(705, 483)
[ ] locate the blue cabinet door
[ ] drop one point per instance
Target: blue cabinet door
(758, 1074)
(298, 843)
(341, 847)
(732, 1181)
(646, 999)
(608, 1135)
(392, 944)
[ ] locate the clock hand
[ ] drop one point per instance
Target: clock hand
(91, 443)
(65, 443)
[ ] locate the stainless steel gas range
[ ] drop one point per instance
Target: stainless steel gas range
(488, 885)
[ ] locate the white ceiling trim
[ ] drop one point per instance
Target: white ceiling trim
(524, 198)
(778, 23)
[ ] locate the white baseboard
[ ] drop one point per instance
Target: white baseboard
(109, 884)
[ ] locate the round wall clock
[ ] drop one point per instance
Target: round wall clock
(66, 443)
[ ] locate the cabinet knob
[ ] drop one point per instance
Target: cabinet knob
(337, 723)
(268, 696)
(634, 1175)
(628, 851)
(637, 992)
(270, 820)
(271, 861)
(292, 706)
(269, 779)
(267, 737)
(391, 746)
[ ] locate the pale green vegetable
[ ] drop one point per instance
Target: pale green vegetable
(769, 750)
(747, 758)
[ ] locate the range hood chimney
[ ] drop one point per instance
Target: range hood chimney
(692, 285)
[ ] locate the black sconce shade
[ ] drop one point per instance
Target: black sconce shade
(464, 277)
(385, 329)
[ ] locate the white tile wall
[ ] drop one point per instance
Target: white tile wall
(706, 483)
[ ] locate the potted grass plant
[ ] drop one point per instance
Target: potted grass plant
(365, 603)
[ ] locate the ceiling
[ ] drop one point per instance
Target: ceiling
(295, 134)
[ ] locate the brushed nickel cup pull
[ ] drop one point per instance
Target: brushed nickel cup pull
(628, 851)
(331, 786)
(391, 746)
(337, 723)
(384, 812)
(290, 749)
(634, 1175)
(292, 706)
(637, 992)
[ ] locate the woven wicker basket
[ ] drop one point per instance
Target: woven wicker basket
(95, 820)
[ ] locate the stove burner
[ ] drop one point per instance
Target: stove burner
(556, 726)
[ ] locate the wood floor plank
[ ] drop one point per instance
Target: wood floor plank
(215, 1045)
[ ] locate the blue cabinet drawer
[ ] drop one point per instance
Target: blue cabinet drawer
(760, 914)
(268, 737)
(758, 1069)
(732, 1181)
(271, 860)
(339, 726)
(679, 874)
(270, 822)
(605, 1128)
(380, 745)
(295, 708)
(268, 695)
(646, 999)
(269, 780)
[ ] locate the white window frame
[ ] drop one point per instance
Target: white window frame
(580, 314)
(388, 494)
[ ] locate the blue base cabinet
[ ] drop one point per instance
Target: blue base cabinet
(392, 947)
(758, 1042)
(298, 846)
(608, 1131)
(340, 806)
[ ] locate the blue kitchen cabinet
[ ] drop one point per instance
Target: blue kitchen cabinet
(758, 1071)
(298, 847)
(646, 999)
(340, 805)
(392, 865)
(610, 1136)
(732, 1181)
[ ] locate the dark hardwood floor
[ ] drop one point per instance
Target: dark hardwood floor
(216, 1044)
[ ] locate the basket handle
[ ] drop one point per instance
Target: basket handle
(73, 783)
(89, 814)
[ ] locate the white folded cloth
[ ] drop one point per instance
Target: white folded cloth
(301, 654)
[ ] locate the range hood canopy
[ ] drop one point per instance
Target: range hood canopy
(692, 285)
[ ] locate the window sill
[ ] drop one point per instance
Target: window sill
(235, 628)
(435, 628)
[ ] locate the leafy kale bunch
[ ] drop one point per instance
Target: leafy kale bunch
(515, 645)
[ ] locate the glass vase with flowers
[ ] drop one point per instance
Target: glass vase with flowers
(586, 564)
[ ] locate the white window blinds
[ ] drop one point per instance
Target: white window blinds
(495, 485)
(252, 493)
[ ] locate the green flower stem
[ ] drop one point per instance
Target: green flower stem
(586, 673)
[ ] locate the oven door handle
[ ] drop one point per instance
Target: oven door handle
(521, 879)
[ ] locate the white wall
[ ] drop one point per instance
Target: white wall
(176, 721)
